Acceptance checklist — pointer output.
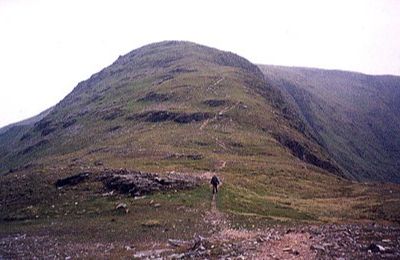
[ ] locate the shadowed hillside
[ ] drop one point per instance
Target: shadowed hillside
(355, 116)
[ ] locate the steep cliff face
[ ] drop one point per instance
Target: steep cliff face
(356, 117)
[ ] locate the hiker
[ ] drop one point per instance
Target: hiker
(215, 182)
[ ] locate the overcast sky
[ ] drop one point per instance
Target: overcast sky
(48, 46)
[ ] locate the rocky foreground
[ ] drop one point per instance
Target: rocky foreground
(345, 241)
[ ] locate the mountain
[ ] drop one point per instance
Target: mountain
(164, 99)
(356, 117)
(120, 167)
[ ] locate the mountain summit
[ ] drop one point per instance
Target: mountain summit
(163, 100)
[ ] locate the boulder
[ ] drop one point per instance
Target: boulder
(72, 180)
(122, 207)
(375, 248)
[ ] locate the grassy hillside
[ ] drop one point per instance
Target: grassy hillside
(161, 100)
(189, 110)
(356, 117)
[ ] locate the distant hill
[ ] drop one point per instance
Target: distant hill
(356, 117)
(27, 122)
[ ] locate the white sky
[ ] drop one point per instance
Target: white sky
(48, 46)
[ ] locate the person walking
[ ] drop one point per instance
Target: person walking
(215, 182)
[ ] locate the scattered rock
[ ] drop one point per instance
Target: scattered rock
(122, 207)
(375, 248)
(111, 114)
(199, 244)
(317, 247)
(48, 131)
(151, 223)
(25, 136)
(138, 184)
(155, 97)
(290, 251)
(114, 128)
(176, 256)
(260, 239)
(108, 194)
(162, 116)
(364, 240)
(185, 156)
(69, 123)
(182, 70)
(98, 163)
(177, 242)
(149, 254)
(41, 125)
(216, 102)
(72, 180)
(163, 79)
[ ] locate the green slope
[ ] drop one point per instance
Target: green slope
(355, 116)
(152, 102)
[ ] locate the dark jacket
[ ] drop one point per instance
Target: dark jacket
(214, 180)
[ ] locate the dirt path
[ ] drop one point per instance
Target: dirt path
(220, 113)
(215, 118)
(211, 88)
(221, 226)
(260, 244)
(215, 217)
(204, 124)
(221, 165)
